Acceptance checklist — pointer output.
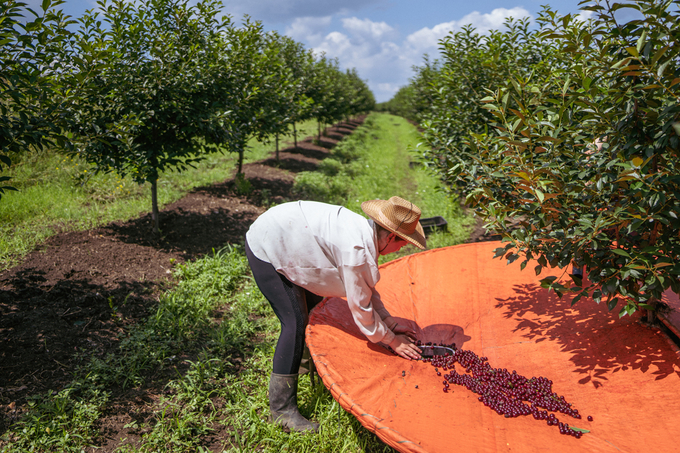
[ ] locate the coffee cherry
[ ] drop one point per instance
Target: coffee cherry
(507, 393)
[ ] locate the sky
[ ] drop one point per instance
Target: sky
(382, 39)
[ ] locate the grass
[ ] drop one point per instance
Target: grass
(211, 396)
(58, 193)
(204, 399)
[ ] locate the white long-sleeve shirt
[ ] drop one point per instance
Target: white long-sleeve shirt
(328, 250)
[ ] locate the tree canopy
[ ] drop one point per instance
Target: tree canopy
(145, 87)
(565, 138)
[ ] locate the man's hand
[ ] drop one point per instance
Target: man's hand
(403, 346)
(403, 330)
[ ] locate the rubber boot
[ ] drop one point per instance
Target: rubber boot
(283, 404)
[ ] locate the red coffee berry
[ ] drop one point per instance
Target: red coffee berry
(507, 393)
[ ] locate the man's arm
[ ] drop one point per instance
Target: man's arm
(360, 302)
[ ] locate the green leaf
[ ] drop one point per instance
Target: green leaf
(662, 68)
(612, 303)
(597, 295)
(580, 430)
(500, 251)
(633, 51)
(621, 252)
(659, 53)
(641, 41)
(623, 62)
(518, 89)
(548, 281)
(505, 100)
(618, 6)
(540, 195)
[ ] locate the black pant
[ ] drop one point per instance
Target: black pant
(291, 304)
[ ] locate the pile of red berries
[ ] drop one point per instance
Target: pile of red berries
(508, 393)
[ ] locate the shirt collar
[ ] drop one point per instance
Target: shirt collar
(375, 232)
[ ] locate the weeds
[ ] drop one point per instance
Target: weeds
(64, 421)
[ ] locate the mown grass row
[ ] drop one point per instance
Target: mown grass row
(215, 314)
(59, 193)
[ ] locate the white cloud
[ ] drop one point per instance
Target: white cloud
(585, 15)
(308, 29)
(282, 11)
(389, 88)
(366, 46)
(337, 44)
(375, 50)
(426, 39)
(367, 29)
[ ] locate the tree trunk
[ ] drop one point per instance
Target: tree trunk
(154, 207)
(277, 146)
(651, 314)
(295, 135)
(240, 160)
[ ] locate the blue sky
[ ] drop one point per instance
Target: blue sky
(382, 39)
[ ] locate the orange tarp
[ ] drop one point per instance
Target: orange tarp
(625, 375)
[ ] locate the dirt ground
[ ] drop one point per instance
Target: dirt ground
(58, 303)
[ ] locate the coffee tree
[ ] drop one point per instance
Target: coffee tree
(325, 91)
(147, 76)
(580, 163)
(291, 65)
(361, 99)
(448, 93)
(33, 51)
(250, 73)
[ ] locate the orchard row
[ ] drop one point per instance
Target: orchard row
(565, 137)
(142, 87)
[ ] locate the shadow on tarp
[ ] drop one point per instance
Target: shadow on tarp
(337, 314)
(616, 369)
(597, 343)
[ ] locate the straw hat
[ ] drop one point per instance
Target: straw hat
(398, 216)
